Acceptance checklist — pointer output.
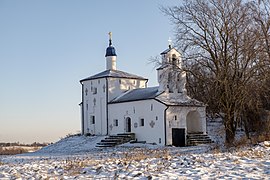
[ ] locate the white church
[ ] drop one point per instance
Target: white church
(115, 101)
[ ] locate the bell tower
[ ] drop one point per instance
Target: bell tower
(110, 55)
(171, 77)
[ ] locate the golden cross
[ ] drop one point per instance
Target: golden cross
(110, 35)
(170, 42)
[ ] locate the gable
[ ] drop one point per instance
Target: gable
(113, 73)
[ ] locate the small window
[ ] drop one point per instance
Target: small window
(94, 90)
(151, 107)
(156, 118)
(86, 91)
(94, 101)
(98, 81)
(87, 106)
(92, 119)
(134, 82)
(174, 60)
(141, 122)
(178, 77)
(134, 110)
(115, 122)
(175, 117)
(120, 81)
(104, 88)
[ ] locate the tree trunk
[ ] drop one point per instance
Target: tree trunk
(230, 129)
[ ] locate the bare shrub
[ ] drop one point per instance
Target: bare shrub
(251, 154)
(12, 150)
(260, 138)
(243, 141)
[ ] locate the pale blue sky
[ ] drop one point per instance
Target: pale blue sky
(46, 47)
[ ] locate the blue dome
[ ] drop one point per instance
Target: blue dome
(110, 51)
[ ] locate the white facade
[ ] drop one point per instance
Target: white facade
(96, 95)
(115, 102)
(146, 120)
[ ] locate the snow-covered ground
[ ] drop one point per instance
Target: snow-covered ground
(78, 158)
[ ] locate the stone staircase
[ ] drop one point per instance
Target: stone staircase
(197, 138)
(114, 140)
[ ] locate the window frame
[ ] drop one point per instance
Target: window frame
(142, 122)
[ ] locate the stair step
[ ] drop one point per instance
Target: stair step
(104, 146)
(107, 143)
(116, 137)
(111, 140)
(114, 140)
(203, 142)
(197, 135)
(195, 132)
(197, 138)
(133, 134)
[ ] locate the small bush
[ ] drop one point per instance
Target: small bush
(88, 134)
(243, 141)
(73, 135)
(12, 150)
(260, 138)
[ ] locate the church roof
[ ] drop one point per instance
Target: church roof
(182, 102)
(163, 66)
(114, 73)
(153, 93)
(137, 94)
(110, 51)
(167, 50)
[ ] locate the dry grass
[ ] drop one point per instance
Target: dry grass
(16, 150)
(255, 139)
(74, 166)
(261, 138)
(251, 154)
(12, 151)
(243, 141)
(137, 155)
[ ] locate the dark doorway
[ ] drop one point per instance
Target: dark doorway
(128, 124)
(178, 137)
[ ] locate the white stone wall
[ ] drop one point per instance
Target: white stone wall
(111, 62)
(117, 86)
(95, 100)
(94, 104)
(150, 110)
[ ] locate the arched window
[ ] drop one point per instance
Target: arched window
(174, 60)
(170, 84)
(94, 101)
(178, 77)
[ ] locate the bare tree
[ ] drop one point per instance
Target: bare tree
(221, 44)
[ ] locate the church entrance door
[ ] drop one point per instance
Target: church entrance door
(128, 124)
(178, 137)
(194, 124)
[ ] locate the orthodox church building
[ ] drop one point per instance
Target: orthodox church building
(115, 101)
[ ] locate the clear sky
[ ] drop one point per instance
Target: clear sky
(46, 47)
